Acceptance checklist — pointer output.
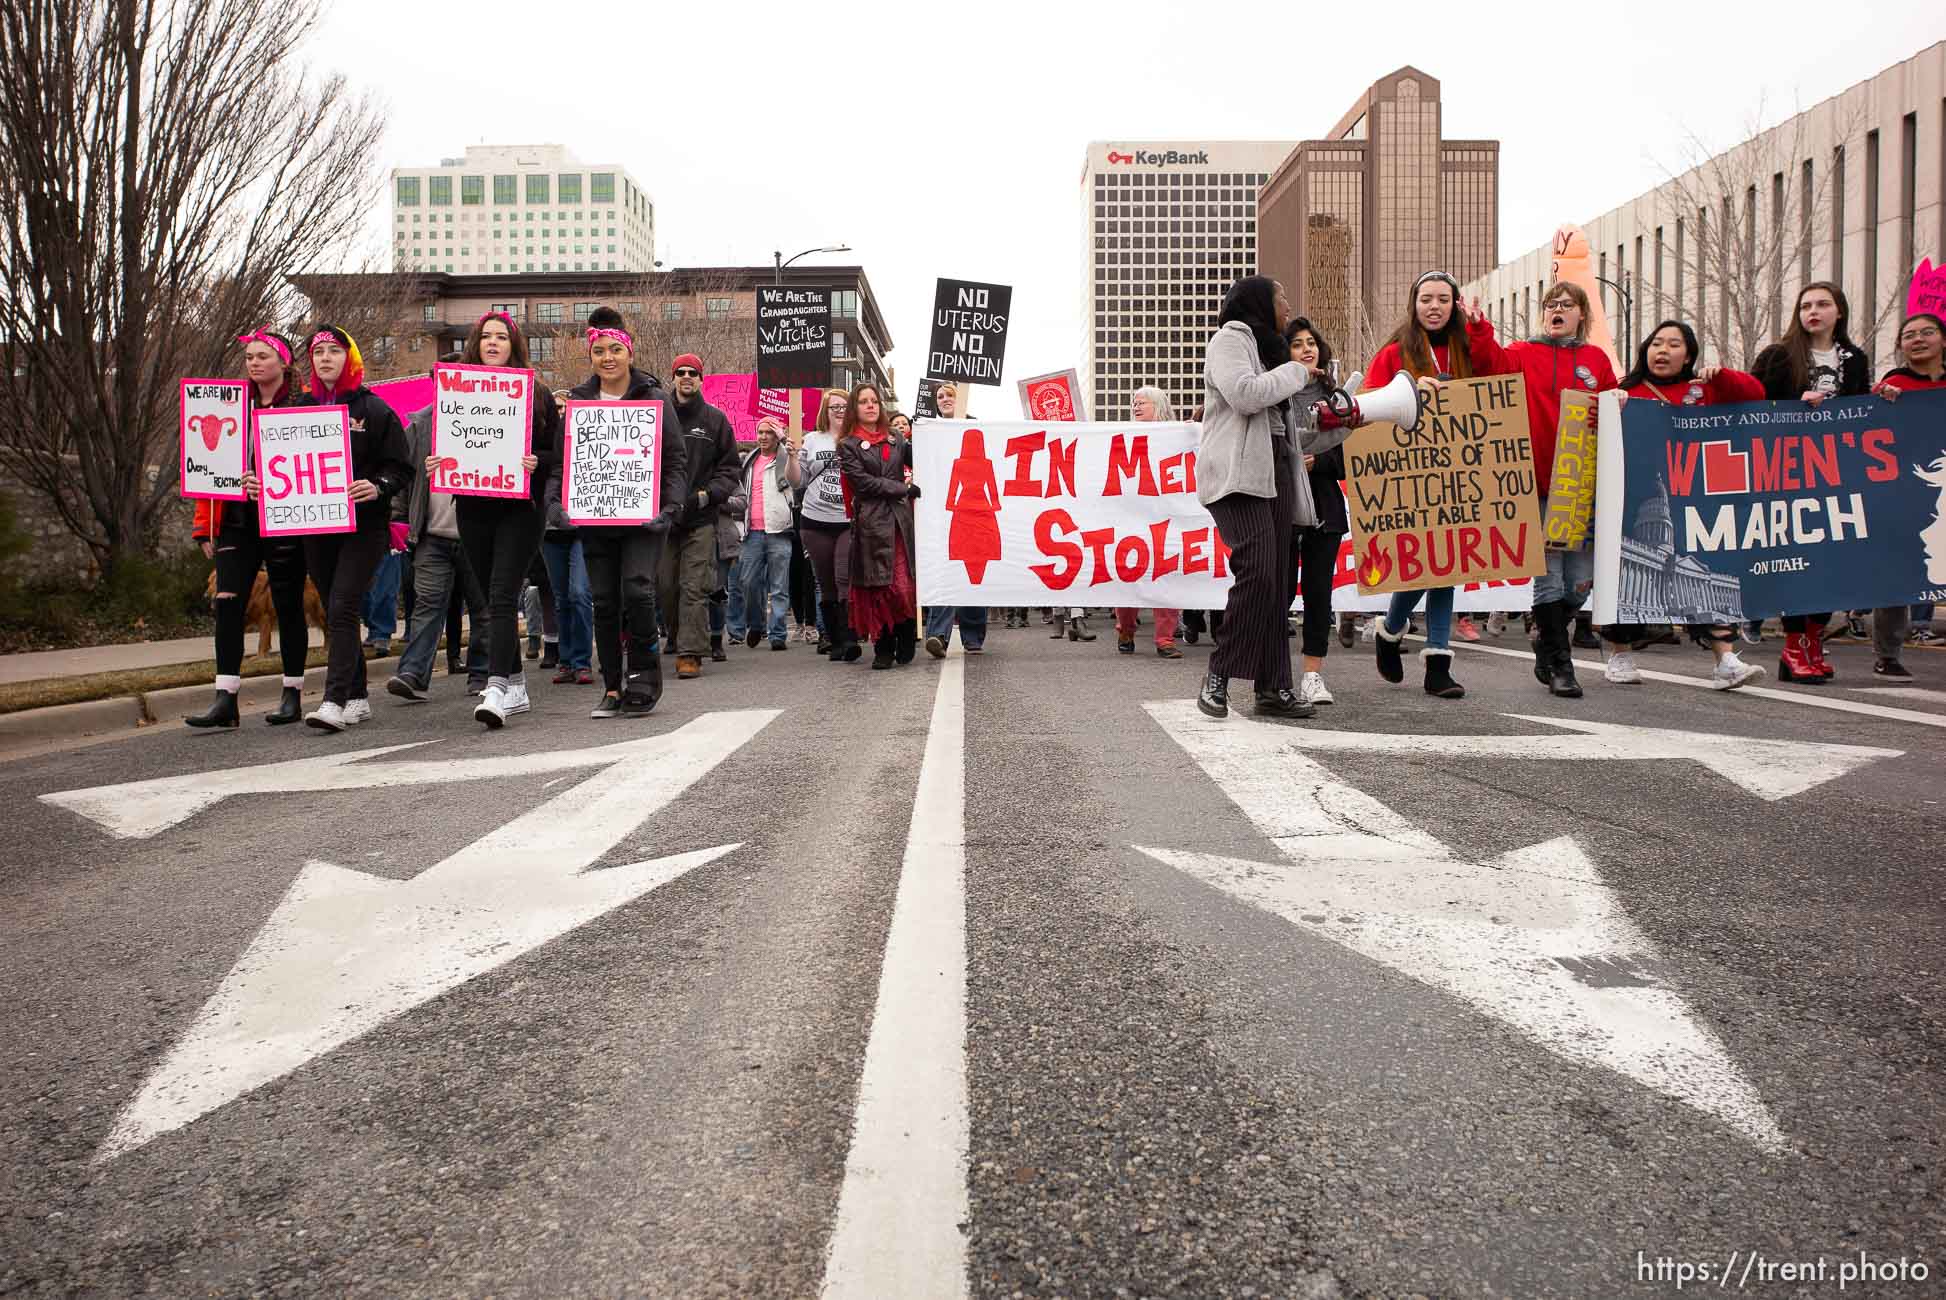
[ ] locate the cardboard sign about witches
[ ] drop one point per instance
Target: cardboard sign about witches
(1055, 397)
(304, 460)
(611, 462)
(1570, 516)
(1452, 501)
(214, 439)
(481, 427)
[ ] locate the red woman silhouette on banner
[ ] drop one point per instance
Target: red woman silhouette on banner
(973, 500)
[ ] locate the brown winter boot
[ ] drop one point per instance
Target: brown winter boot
(689, 666)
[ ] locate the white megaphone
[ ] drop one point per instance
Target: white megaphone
(1396, 403)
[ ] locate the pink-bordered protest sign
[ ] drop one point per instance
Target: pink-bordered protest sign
(481, 427)
(611, 462)
(304, 471)
(214, 439)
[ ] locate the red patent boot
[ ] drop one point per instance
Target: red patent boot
(1794, 664)
(1814, 650)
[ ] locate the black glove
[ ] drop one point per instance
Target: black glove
(912, 491)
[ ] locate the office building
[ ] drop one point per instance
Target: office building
(520, 209)
(1167, 228)
(1847, 191)
(1347, 223)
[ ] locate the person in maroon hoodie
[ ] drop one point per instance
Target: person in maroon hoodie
(1559, 358)
(1665, 371)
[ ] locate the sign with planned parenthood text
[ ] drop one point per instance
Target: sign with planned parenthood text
(304, 467)
(213, 439)
(793, 337)
(1721, 513)
(1452, 501)
(969, 331)
(611, 462)
(480, 430)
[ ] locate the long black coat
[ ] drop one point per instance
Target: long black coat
(881, 512)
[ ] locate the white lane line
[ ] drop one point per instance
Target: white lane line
(1903, 692)
(1762, 692)
(904, 1197)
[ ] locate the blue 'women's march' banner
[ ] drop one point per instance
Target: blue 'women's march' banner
(1708, 514)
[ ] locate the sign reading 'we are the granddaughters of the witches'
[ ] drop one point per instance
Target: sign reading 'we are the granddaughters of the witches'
(1452, 501)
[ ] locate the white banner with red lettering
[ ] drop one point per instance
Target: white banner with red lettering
(1019, 513)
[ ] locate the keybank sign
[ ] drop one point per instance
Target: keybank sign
(1162, 158)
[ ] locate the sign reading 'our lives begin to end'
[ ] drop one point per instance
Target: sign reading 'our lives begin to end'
(969, 331)
(481, 429)
(793, 337)
(611, 462)
(304, 456)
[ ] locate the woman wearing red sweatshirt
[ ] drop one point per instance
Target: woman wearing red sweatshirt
(1665, 371)
(1559, 358)
(1439, 340)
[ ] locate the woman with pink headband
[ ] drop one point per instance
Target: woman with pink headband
(230, 537)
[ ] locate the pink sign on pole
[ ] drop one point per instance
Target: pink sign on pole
(775, 404)
(481, 428)
(405, 396)
(736, 397)
(213, 439)
(1928, 290)
(304, 457)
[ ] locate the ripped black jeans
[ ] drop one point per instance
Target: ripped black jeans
(240, 552)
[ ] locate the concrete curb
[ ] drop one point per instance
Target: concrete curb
(34, 728)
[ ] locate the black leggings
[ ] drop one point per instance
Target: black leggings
(240, 552)
(1802, 622)
(342, 565)
(830, 548)
(501, 539)
(1314, 555)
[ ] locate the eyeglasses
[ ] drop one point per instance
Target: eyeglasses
(686, 372)
(1923, 332)
(1559, 304)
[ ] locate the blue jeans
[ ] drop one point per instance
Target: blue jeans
(438, 563)
(765, 568)
(972, 624)
(1569, 576)
(1439, 615)
(381, 610)
(574, 606)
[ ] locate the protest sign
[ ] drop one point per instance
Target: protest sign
(1452, 501)
(1927, 292)
(405, 396)
(926, 405)
(1722, 513)
(969, 331)
(304, 464)
(736, 397)
(793, 337)
(480, 430)
(1571, 488)
(777, 404)
(1508, 596)
(611, 462)
(1054, 397)
(213, 439)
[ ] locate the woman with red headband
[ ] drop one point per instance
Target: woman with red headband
(230, 537)
(342, 564)
(502, 535)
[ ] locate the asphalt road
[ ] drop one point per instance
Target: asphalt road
(1224, 1035)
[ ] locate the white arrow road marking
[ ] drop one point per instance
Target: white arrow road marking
(1533, 937)
(1769, 769)
(345, 952)
(904, 1195)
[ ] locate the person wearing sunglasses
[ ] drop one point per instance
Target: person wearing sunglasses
(687, 573)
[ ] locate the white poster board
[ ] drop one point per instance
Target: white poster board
(481, 427)
(611, 462)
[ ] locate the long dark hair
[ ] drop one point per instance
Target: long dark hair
(1640, 374)
(1416, 345)
(1253, 300)
(1796, 344)
(1303, 325)
(851, 412)
(517, 358)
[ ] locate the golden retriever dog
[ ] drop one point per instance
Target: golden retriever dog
(262, 615)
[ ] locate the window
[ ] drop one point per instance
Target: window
(582, 309)
(631, 309)
(601, 187)
(472, 190)
(504, 191)
(718, 308)
(540, 349)
(568, 187)
(1870, 314)
(839, 346)
(672, 311)
(511, 308)
(548, 313)
(408, 191)
(429, 312)
(844, 302)
(441, 194)
(536, 193)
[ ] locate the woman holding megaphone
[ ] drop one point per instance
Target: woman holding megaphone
(1439, 340)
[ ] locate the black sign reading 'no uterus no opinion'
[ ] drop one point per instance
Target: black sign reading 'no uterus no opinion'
(969, 331)
(793, 337)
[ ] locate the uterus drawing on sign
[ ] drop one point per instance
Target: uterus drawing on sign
(973, 500)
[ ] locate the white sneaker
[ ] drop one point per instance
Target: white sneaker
(492, 708)
(326, 717)
(1368, 629)
(1621, 670)
(357, 711)
(1312, 690)
(1731, 672)
(515, 700)
(1496, 622)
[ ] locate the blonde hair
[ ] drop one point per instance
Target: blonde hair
(823, 423)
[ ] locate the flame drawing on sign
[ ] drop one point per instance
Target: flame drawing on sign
(1377, 563)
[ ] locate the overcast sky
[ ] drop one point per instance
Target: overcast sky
(949, 139)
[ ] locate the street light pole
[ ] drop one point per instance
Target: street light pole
(1628, 314)
(783, 261)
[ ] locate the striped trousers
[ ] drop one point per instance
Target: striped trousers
(1254, 643)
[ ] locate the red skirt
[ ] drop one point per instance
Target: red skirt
(875, 611)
